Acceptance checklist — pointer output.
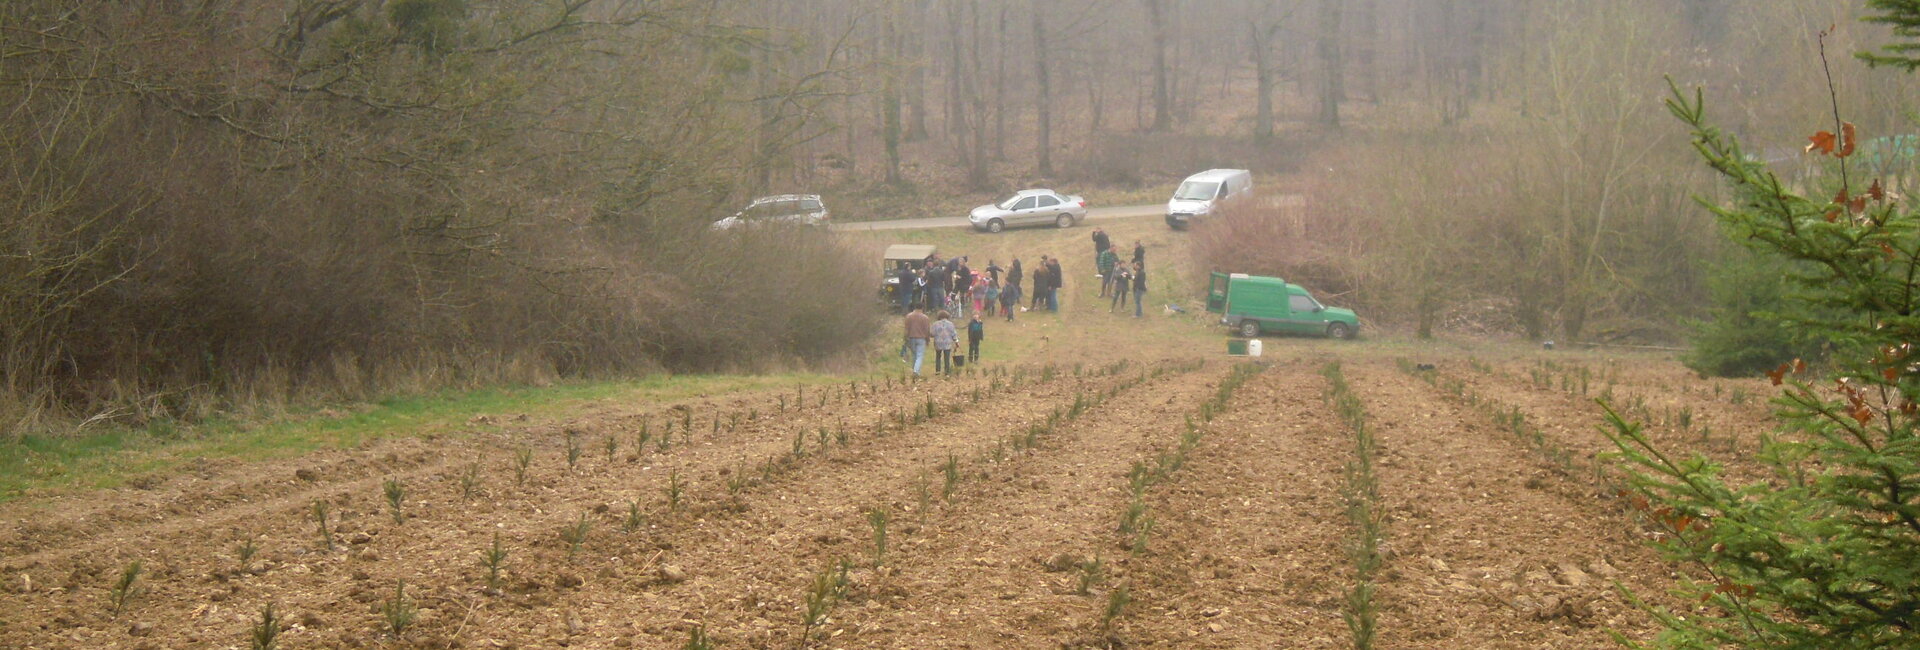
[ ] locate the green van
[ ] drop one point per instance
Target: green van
(1252, 304)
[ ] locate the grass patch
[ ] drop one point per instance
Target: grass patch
(41, 465)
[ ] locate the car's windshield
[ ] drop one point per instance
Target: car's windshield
(1195, 191)
(772, 209)
(1008, 204)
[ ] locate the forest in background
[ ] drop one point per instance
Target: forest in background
(215, 203)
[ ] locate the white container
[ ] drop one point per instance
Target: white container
(1253, 348)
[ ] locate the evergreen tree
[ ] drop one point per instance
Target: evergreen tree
(1826, 554)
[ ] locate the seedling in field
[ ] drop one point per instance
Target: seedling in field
(923, 495)
(245, 551)
(1117, 601)
(320, 517)
(840, 434)
(575, 534)
(1142, 529)
(469, 479)
(799, 444)
(634, 519)
(828, 587)
(697, 639)
(674, 489)
(738, 481)
(879, 517)
(573, 449)
(493, 559)
(666, 439)
(265, 633)
(612, 446)
(395, 496)
(125, 588)
(1091, 572)
(645, 435)
(823, 436)
(398, 612)
(522, 458)
(686, 423)
(951, 469)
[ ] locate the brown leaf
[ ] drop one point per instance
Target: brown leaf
(1777, 373)
(1876, 191)
(1863, 415)
(1890, 373)
(1822, 141)
(1846, 140)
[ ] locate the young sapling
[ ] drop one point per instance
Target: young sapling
(396, 495)
(575, 534)
(124, 589)
(493, 558)
(522, 458)
(398, 612)
(265, 633)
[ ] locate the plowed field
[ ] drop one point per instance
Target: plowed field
(1003, 490)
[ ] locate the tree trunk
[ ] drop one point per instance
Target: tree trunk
(1263, 77)
(1043, 114)
(1331, 90)
(956, 102)
(1162, 99)
(890, 96)
(917, 78)
(1000, 90)
(977, 125)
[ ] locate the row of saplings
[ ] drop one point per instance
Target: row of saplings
(399, 612)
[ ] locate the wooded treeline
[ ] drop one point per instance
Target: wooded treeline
(220, 202)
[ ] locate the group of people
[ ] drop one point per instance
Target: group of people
(948, 288)
(1118, 279)
(943, 336)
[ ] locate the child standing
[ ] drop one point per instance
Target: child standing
(976, 332)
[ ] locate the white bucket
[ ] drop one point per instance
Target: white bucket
(1253, 348)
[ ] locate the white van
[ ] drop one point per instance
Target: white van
(1208, 193)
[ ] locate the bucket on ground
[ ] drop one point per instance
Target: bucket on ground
(1253, 348)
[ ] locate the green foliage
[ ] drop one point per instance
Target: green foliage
(320, 519)
(1825, 554)
(522, 459)
(125, 588)
(1746, 332)
(265, 633)
(396, 495)
(1904, 17)
(494, 558)
(575, 534)
(697, 639)
(878, 518)
(398, 612)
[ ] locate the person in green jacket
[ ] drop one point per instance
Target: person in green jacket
(1106, 262)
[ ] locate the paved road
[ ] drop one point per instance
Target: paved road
(1093, 214)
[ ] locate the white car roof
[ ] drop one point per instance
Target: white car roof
(1035, 192)
(1216, 175)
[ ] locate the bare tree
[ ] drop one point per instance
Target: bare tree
(1162, 99)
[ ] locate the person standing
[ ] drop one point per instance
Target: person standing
(1039, 284)
(945, 337)
(936, 287)
(993, 297)
(994, 272)
(903, 287)
(979, 293)
(1056, 280)
(918, 330)
(1101, 243)
(976, 332)
(1139, 287)
(1106, 263)
(1122, 285)
(1010, 293)
(1139, 253)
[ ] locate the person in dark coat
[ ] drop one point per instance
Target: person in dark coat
(903, 290)
(1010, 293)
(976, 332)
(936, 287)
(1139, 287)
(1139, 253)
(1055, 278)
(1100, 242)
(1040, 284)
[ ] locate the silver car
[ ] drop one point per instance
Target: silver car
(783, 209)
(1030, 208)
